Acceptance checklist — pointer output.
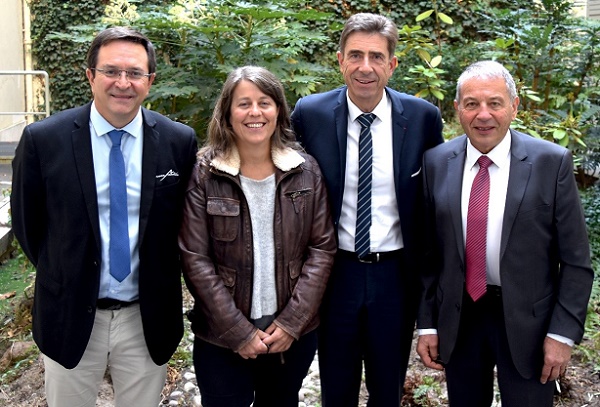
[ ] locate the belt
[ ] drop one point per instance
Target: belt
(494, 291)
(371, 257)
(113, 305)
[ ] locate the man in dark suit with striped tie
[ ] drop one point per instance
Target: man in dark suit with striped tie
(369, 141)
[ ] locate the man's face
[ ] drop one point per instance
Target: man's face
(366, 66)
(485, 111)
(119, 99)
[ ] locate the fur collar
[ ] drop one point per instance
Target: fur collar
(284, 159)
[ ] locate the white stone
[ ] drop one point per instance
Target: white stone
(197, 401)
(301, 395)
(176, 394)
(189, 376)
(189, 387)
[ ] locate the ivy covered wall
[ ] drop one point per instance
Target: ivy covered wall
(63, 60)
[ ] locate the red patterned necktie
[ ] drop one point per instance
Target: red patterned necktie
(477, 217)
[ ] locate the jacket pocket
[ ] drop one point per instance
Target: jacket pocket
(223, 217)
(299, 198)
(229, 276)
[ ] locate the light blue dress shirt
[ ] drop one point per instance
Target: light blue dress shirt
(131, 146)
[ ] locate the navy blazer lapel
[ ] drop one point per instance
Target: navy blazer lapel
(149, 169)
(84, 161)
(340, 114)
(399, 126)
(520, 171)
(456, 165)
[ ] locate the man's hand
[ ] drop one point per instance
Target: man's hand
(556, 359)
(427, 348)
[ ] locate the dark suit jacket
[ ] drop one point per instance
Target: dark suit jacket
(544, 256)
(55, 219)
(321, 125)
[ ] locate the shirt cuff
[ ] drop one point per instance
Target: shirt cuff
(428, 331)
(561, 339)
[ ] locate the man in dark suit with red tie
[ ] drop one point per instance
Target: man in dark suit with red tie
(369, 308)
(507, 277)
(96, 202)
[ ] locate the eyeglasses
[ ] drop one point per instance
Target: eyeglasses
(131, 75)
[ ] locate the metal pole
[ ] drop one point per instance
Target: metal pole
(47, 91)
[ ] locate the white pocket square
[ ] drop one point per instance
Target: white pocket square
(171, 173)
(416, 173)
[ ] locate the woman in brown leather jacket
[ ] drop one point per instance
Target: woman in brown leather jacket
(257, 245)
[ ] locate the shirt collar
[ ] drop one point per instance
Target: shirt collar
(499, 154)
(102, 126)
(380, 110)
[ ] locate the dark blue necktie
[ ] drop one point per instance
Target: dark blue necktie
(362, 239)
(119, 256)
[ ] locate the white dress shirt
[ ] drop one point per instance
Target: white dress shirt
(131, 146)
(499, 172)
(385, 232)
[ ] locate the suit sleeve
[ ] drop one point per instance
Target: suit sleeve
(28, 199)
(575, 275)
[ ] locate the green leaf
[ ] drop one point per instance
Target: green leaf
(438, 94)
(424, 55)
(424, 15)
(533, 97)
(435, 61)
(445, 18)
(422, 93)
(559, 134)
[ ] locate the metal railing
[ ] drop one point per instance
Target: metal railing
(46, 97)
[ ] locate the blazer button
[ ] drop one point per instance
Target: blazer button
(458, 306)
(90, 309)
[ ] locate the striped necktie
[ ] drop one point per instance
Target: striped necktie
(362, 239)
(477, 217)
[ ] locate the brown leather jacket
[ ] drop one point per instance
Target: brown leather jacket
(216, 247)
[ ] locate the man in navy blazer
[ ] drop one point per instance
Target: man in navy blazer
(536, 273)
(84, 319)
(369, 309)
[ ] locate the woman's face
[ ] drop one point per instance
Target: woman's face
(253, 116)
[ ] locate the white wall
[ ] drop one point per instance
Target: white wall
(12, 88)
(593, 9)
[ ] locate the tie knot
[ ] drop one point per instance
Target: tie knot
(366, 119)
(115, 136)
(484, 161)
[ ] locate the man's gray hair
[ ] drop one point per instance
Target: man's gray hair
(487, 70)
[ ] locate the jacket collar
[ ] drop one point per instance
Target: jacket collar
(284, 159)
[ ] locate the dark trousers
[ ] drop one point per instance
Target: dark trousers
(482, 344)
(368, 314)
(226, 379)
